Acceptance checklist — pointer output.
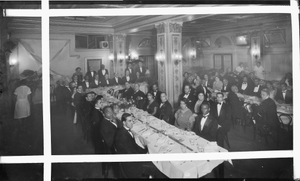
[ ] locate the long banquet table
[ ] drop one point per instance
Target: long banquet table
(162, 138)
(103, 90)
(281, 108)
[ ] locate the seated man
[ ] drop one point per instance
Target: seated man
(206, 125)
(138, 96)
(156, 93)
(116, 80)
(236, 105)
(245, 87)
(127, 92)
(284, 96)
(165, 110)
(257, 88)
(226, 86)
(108, 129)
(125, 144)
(106, 82)
(188, 95)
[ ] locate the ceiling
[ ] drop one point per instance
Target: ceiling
(133, 24)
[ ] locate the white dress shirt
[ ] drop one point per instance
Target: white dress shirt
(129, 131)
(256, 89)
(283, 94)
(219, 106)
(103, 71)
(203, 120)
(141, 69)
(107, 81)
(244, 86)
(87, 84)
(117, 79)
(92, 73)
(96, 82)
(186, 95)
(127, 78)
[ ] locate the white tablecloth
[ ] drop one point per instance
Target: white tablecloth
(160, 143)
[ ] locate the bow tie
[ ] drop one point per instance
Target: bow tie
(219, 103)
(283, 91)
(204, 117)
(244, 82)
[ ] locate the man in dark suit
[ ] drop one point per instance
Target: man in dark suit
(285, 95)
(202, 88)
(130, 69)
(207, 82)
(141, 69)
(86, 84)
(245, 87)
(96, 82)
(188, 95)
(268, 110)
(108, 129)
(237, 109)
(222, 112)
(156, 93)
(138, 96)
(67, 98)
(257, 88)
(165, 110)
(127, 92)
(87, 107)
(128, 78)
(58, 92)
(106, 82)
(102, 72)
(125, 144)
(226, 86)
(206, 125)
(91, 74)
(96, 119)
(116, 80)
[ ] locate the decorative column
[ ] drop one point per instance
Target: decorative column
(170, 57)
(120, 63)
(111, 56)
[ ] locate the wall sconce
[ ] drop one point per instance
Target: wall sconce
(177, 58)
(12, 62)
(193, 53)
(121, 57)
(255, 53)
(160, 57)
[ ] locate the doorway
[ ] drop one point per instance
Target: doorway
(223, 61)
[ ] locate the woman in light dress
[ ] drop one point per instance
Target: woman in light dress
(259, 71)
(184, 118)
(218, 84)
(22, 97)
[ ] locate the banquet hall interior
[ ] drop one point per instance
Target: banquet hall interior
(166, 74)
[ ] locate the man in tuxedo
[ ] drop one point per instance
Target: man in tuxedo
(156, 93)
(59, 89)
(245, 87)
(222, 112)
(188, 95)
(102, 72)
(206, 125)
(202, 88)
(257, 88)
(96, 119)
(138, 96)
(268, 110)
(165, 110)
(91, 74)
(108, 129)
(207, 82)
(116, 80)
(141, 69)
(125, 144)
(67, 99)
(226, 86)
(87, 107)
(284, 96)
(127, 92)
(86, 84)
(130, 69)
(237, 109)
(106, 82)
(128, 77)
(96, 82)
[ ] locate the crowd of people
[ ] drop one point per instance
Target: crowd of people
(196, 111)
